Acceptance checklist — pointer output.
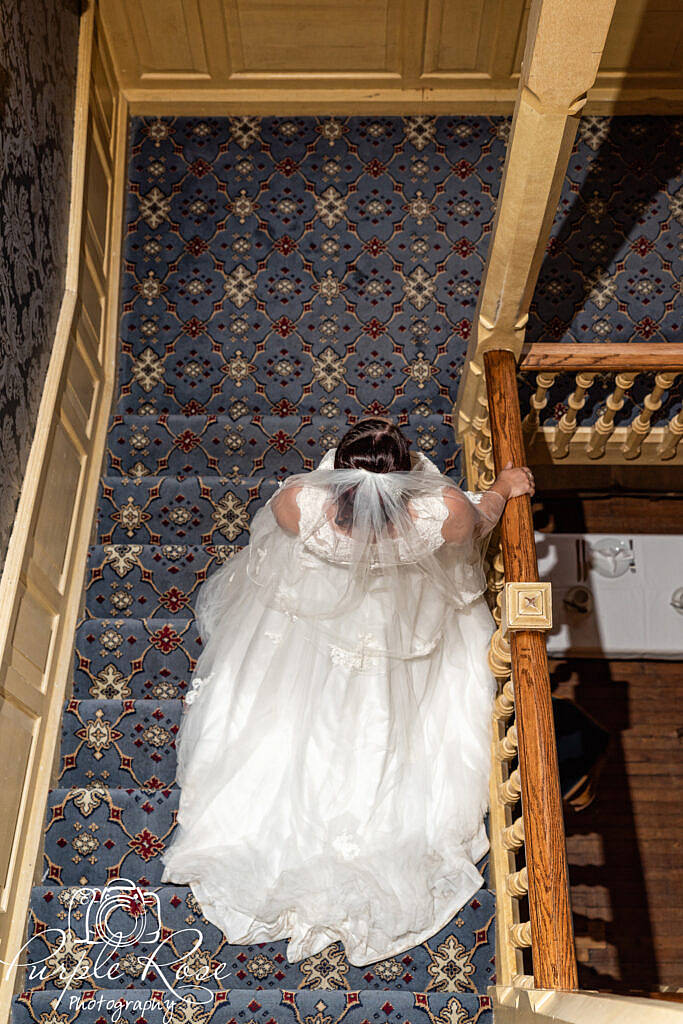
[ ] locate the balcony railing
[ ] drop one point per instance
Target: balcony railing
(634, 390)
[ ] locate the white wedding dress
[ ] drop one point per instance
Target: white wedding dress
(334, 758)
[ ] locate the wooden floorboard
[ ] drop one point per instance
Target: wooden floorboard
(565, 513)
(626, 850)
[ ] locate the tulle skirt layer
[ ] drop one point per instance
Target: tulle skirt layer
(326, 798)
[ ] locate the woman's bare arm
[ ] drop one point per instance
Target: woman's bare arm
(286, 509)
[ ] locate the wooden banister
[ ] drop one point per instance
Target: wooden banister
(552, 932)
(587, 356)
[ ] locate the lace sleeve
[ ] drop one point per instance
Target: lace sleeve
(310, 501)
(490, 507)
(471, 515)
(314, 530)
(430, 515)
(327, 461)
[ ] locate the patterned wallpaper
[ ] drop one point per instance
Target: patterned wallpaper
(38, 53)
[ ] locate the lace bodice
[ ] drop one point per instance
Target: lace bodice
(383, 580)
(320, 536)
(430, 514)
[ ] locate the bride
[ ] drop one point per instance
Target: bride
(334, 757)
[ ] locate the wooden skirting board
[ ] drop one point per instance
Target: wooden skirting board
(42, 580)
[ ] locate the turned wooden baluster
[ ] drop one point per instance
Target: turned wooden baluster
(499, 662)
(641, 426)
(672, 437)
(518, 883)
(566, 428)
(482, 411)
(537, 778)
(521, 934)
(513, 835)
(483, 453)
(538, 401)
(481, 446)
(507, 748)
(504, 703)
(604, 425)
(481, 434)
(511, 789)
(496, 580)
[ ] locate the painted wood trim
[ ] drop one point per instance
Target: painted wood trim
(640, 356)
(516, 1005)
(301, 98)
(42, 580)
(22, 523)
(562, 53)
(540, 450)
(460, 57)
(552, 929)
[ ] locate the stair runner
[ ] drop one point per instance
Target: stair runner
(281, 278)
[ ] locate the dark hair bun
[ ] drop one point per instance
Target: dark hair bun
(376, 445)
(372, 444)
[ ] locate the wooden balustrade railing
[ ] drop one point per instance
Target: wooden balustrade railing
(518, 659)
(528, 854)
(641, 356)
(639, 439)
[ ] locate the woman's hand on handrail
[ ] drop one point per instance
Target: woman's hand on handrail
(513, 481)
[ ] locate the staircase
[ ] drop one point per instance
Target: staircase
(263, 262)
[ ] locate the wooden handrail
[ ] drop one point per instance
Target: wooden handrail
(552, 931)
(580, 356)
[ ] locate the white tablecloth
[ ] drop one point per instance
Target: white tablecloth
(632, 615)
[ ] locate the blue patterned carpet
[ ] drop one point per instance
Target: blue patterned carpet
(612, 269)
(283, 277)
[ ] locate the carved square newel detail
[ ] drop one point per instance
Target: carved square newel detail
(527, 606)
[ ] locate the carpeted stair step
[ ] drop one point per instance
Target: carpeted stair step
(208, 375)
(143, 913)
(95, 834)
(317, 1003)
(116, 659)
(170, 510)
(126, 580)
(120, 743)
(266, 445)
